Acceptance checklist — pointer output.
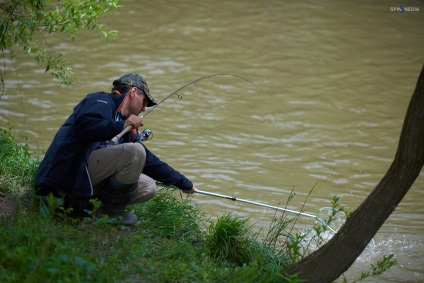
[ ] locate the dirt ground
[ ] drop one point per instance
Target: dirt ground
(9, 206)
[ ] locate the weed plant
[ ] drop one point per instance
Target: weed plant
(170, 217)
(173, 242)
(230, 239)
(17, 168)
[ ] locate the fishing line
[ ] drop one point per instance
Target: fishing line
(195, 83)
(127, 129)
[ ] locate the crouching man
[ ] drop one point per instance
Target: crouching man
(81, 162)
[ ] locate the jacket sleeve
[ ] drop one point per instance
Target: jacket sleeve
(94, 121)
(162, 172)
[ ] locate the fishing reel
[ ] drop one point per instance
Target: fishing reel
(145, 135)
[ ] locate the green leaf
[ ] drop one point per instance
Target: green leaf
(22, 22)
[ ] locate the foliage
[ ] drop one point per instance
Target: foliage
(376, 269)
(333, 217)
(281, 239)
(17, 167)
(35, 248)
(31, 250)
(27, 23)
(170, 217)
(230, 239)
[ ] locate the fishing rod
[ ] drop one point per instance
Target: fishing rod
(268, 206)
(116, 138)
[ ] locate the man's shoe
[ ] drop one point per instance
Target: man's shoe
(128, 218)
(118, 212)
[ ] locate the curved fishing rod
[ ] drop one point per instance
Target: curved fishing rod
(268, 206)
(128, 128)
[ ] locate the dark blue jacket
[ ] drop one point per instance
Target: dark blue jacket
(64, 167)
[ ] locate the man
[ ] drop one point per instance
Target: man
(81, 163)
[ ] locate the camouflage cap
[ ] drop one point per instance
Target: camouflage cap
(138, 82)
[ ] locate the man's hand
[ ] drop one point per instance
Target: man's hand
(133, 121)
(192, 191)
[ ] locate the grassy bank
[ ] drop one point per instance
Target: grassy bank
(173, 242)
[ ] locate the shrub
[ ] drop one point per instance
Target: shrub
(17, 168)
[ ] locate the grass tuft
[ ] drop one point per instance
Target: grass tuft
(230, 239)
(171, 217)
(17, 168)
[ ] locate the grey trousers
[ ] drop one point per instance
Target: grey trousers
(125, 161)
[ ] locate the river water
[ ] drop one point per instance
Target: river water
(332, 83)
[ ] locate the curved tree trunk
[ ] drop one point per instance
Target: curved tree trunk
(337, 255)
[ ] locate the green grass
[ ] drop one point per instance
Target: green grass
(39, 246)
(173, 242)
(17, 168)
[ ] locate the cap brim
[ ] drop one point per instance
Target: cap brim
(152, 102)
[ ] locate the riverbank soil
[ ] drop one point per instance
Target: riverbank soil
(9, 206)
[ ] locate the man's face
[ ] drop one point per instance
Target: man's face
(138, 103)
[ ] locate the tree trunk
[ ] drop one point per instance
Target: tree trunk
(336, 256)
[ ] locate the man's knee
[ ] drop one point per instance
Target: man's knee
(151, 191)
(113, 191)
(134, 156)
(136, 150)
(146, 190)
